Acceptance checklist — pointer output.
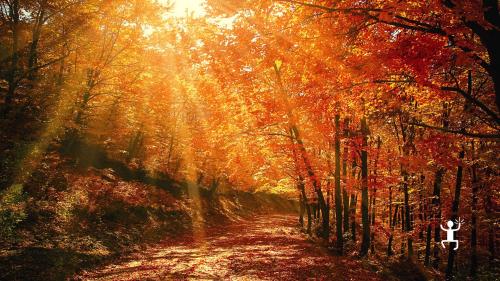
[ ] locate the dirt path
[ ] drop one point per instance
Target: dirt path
(262, 248)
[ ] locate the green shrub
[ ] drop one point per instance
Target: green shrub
(12, 210)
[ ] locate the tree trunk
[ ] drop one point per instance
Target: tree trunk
(352, 206)
(338, 198)
(454, 216)
(345, 195)
(374, 195)
(316, 184)
(407, 215)
(490, 214)
(313, 209)
(294, 131)
(306, 204)
(436, 203)
(35, 37)
(391, 223)
(435, 216)
(12, 73)
(428, 237)
(403, 226)
(436, 198)
(489, 38)
(301, 210)
(328, 195)
(365, 242)
(473, 236)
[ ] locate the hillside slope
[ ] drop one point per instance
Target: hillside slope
(66, 219)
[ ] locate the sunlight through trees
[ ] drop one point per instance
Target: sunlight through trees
(379, 118)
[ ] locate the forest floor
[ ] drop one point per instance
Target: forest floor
(265, 247)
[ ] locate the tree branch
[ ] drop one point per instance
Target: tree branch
(475, 101)
(464, 133)
(331, 9)
(281, 135)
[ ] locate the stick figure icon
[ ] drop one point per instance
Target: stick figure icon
(449, 233)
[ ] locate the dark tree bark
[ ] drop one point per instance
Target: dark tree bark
(403, 226)
(489, 39)
(428, 237)
(454, 215)
(374, 195)
(435, 219)
(301, 210)
(316, 184)
(436, 203)
(295, 134)
(365, 220)
(12, 79)
(392, 223)
(490, 214)
(338, 198)
(473, 236)
(35, 37)
(407, 214)
(352, 206)
(345, 195)
(306, 204)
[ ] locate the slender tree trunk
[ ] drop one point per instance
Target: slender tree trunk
(397, 216)
(314, 213)
(352, 206)
(422, 214)
(170, 151)
(436, 203)
(391, 223)
(473, 236)
(35, 37)
(436, 198)
(435, 216)
(309, 218)
(345, 195)
(490, 214)
(301, 210)
(329, 197)
(365, 242)
(316, 184)
(401, 218)
(407, 134)
(428, 237)
(374, 196)
(454, 215)
(306, 204)
(345, 205)
(294, 131)
(338, 198)
(407, 215)
(403, 226)
(12, 73)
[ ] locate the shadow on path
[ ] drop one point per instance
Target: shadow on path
(262, 248)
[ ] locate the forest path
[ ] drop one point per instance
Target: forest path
(259, 248)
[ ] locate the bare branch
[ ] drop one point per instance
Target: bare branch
(474, 101)
(463, 132)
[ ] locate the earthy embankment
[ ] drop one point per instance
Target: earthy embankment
(77, 219)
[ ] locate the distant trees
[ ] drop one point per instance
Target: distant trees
(407, 70)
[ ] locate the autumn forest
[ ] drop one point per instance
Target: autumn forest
(249, 140)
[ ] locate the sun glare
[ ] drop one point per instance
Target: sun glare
(182, 8)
